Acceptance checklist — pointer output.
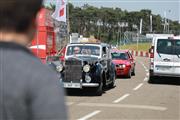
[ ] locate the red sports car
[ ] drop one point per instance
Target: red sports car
(124, 62)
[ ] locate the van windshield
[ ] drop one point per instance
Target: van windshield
(168, 46)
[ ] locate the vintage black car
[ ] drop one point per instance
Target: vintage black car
(88, 65)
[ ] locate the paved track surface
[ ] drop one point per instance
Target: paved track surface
(131, 99)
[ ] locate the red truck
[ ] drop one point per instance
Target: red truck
(44, 44)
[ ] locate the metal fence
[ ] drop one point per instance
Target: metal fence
(132, 37)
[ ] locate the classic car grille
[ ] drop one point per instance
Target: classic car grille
(73, 70)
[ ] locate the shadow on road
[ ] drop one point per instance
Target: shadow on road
(123, 77)
(84, 92)
(81, 92)
(166, 81)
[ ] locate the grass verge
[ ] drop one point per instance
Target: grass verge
(139, 47)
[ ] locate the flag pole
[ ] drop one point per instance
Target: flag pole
(68, 23)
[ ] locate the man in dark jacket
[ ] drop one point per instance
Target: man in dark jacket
(29, 90)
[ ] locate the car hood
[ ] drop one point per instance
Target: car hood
(120, 62)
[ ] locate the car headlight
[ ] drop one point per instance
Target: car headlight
(59, 68)
(87, 78)
(86, 68)
(123, 65)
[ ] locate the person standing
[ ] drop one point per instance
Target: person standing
(29, 90)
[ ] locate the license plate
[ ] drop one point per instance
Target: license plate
(72, 85)
(163, 68)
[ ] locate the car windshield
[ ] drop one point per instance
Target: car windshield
(119, 55)
(168, 46)
(83, 50)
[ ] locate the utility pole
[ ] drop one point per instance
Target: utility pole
(150, 23)
(168, 22)
(165, 22)
(140, 29)
(138, 33)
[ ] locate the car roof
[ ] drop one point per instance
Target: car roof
(83, 43)
(176, 37)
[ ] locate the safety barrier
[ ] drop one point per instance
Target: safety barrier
(140, 53)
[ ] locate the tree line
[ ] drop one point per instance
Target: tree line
(109, 23)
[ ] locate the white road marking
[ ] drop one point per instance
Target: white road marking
(136, 88)
(146, 79)
(143, 65)
(147, 71)
(90, 115)
(147, 74)
(144, 107)
(121, 98)
(69, 103)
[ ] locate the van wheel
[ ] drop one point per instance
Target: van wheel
(133, 72)
(151, 79)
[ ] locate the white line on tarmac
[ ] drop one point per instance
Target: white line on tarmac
(144, 107)
(144, 67)
(136, 88)
(121, 98)
(146, 79)
(90, 115)
(147, 74)
(69, 103)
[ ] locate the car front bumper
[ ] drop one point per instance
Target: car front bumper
(79, 85)
(123, 71)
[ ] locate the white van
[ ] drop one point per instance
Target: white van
(164, 57)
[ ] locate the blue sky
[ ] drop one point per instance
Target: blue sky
(171, 7)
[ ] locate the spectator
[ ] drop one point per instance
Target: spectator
(76, 50)
(29, 90)
(89, 51)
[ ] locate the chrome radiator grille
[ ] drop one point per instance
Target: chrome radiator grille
(73, 70)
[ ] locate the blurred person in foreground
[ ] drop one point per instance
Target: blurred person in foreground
(29, 90)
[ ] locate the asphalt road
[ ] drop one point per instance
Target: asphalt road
(131, 99)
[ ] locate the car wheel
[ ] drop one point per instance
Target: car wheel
(133, 72)
(99, 90)
(112, 85)
(129, 74)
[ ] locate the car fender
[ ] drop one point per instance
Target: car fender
(112, 71)
(99, 70)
